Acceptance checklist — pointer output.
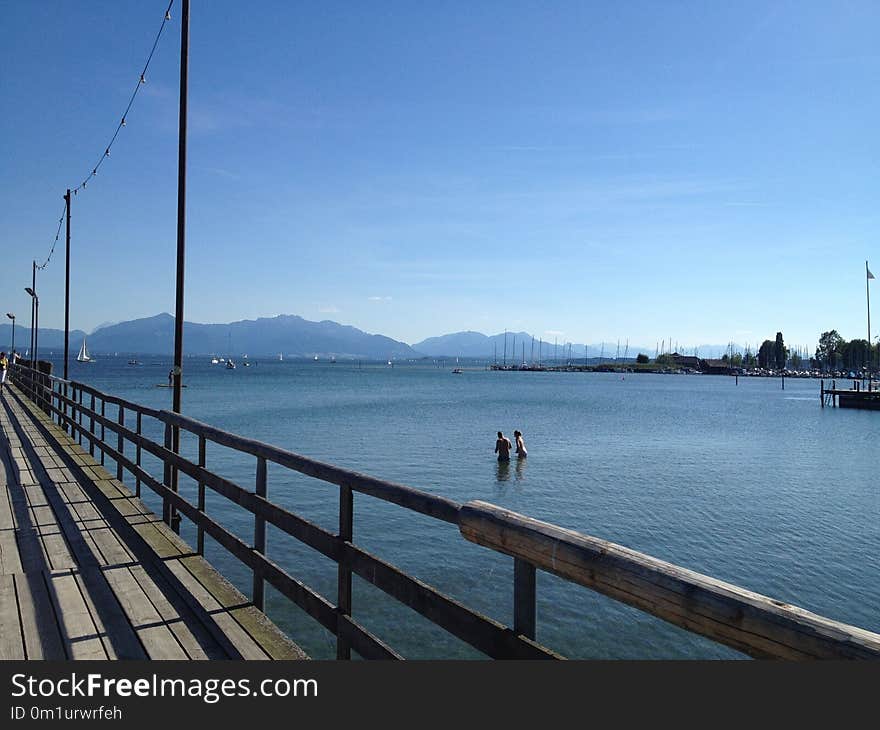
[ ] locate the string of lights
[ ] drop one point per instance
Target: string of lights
(122, 120)
(141, 81)
(55, 242)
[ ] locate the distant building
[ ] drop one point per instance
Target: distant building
(685, 361)
(716, 367)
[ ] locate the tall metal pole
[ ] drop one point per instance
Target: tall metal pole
(36, 326)
(67, 288)
(181, 233)
(33, 306)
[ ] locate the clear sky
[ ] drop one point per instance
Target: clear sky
(703, 171)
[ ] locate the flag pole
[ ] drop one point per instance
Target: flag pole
(868, 277)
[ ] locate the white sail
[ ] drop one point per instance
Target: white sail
(83, 355)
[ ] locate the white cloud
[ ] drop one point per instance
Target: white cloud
(379, 299)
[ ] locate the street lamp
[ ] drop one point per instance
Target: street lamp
(12, 348)
(36, 331)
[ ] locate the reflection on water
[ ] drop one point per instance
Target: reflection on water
(521, 468)
(502, 473)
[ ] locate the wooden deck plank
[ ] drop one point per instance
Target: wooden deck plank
(10, 560)
(242, 642)
(253, 621)
(158, 639)
(11, 643)
(196, 640)
(117, 634)
(42, 637)
(79, 633)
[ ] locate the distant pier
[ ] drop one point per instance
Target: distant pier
(866, 399)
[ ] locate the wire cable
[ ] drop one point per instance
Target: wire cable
(141, 81)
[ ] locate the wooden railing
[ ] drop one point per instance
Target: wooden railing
(750, 623)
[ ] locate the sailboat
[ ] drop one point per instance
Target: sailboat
(83, 355)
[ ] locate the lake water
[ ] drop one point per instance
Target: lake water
(747, 483)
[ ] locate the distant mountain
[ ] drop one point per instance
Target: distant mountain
(288, 334)
(103, 325)
(297, 337)
(48, 339)
(470, 344)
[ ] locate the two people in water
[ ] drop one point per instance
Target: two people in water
(503, 446)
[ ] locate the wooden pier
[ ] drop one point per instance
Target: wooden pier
(88, 571)
(862, 398)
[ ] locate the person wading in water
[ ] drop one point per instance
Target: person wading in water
(502, 447)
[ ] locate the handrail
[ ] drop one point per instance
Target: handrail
(746, 621)
(754, 624)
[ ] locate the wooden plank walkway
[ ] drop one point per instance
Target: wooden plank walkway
(87, 571)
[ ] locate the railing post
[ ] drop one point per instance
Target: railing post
(523, 598)
(137, 460)
(120, 443)
(65, 422)
(200, 536)
(260, 532)
(166, 477)
(92, 426)
(346, 534)
(175, 478)
(79, 416)
(103, 415)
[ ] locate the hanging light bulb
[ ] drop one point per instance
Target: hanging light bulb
(167, 15)
(123, 121)
(107, 152)
(143, 80)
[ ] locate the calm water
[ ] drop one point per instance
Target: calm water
(750, 484)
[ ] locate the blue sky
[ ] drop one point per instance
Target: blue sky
(699, 171)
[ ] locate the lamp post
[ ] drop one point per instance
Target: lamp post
(36, 302)
(12, 348)
(33, 288)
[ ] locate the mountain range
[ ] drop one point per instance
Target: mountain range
(297, 337)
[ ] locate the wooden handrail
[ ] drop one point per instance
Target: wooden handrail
(754, 624)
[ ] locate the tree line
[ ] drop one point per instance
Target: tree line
(832, 353)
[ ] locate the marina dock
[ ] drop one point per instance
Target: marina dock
(88, 571)
(862, 398)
